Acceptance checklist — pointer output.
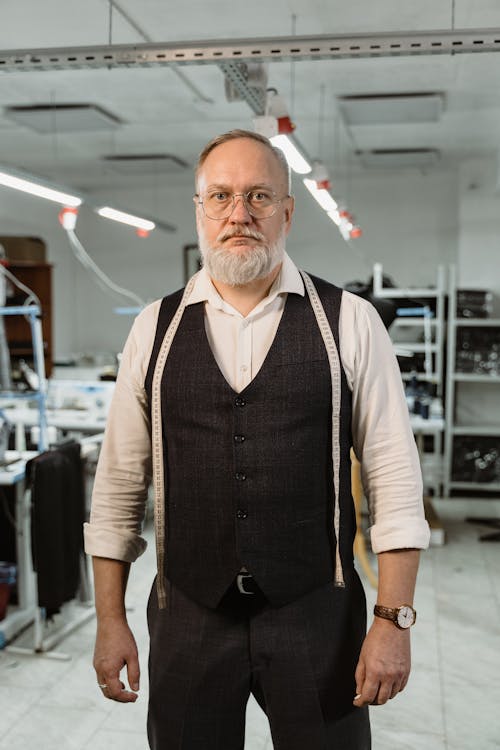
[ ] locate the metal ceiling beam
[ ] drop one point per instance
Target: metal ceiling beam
(321, 47)
(237, 74)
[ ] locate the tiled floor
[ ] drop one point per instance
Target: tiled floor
(451, 703)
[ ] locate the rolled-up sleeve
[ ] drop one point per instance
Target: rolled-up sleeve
(382, 437)
(123, 472)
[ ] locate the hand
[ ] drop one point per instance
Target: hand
(115, 648)
(384, 664)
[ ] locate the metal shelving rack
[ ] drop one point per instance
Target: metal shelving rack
(420, 323)
(453, 381)
(33, 312)
(434, 346)
(27, 610)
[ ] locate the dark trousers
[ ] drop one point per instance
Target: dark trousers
(298, 661)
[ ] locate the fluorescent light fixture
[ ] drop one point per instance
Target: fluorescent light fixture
(41, 191)
(296, 161)
(392, 109)
(320, 195)
(335, 217)
(133, 221)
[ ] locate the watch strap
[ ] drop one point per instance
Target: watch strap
(388, 613)
(392, 613)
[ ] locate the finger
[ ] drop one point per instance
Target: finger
(115, 690)
(367, 694)
(133, 673)
(395, 690)
(384, 693)
(360, 678)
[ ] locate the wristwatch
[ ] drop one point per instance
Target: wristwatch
(403, 617)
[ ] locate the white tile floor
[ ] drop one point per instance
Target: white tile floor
(451, 702)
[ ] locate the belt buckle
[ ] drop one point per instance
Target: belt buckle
(239, 583)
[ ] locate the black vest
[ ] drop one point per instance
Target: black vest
(249, 475)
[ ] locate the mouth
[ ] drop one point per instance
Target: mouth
(241, 238)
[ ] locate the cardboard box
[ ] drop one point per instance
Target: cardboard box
(24, 248)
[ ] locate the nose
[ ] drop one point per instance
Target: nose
(240, 213)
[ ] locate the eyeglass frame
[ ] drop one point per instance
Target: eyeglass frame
(199, 200)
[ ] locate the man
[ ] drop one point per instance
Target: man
(242, 396)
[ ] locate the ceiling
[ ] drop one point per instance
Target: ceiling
(172, 110)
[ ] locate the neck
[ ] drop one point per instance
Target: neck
(246, 297)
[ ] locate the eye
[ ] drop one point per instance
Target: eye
(260, 197)
(219, 196)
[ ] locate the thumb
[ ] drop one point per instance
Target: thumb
(360, 679)
(133, 672)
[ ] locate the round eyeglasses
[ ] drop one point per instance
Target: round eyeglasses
(219, 204)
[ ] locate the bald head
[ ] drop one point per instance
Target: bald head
(236, 134)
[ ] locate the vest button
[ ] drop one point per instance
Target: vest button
(239, 438)
(239, 401)
(241, 513)
(240, 477)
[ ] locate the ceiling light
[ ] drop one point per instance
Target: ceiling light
(391, 109)
(124, 218)
(321, 195)
(68, 217)
(63, 118)
(296, 161)
(146, 163)
(335, 217)
(399, 157)
(36, 188)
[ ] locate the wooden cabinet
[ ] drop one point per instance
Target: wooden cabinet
(37, 276)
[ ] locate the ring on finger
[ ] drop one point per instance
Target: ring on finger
(102, 686)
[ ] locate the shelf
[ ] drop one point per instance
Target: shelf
(459, 400)
(470, 377)
(410, 321)
(477, 322)
(416, 348)
(390, 293)
(20, 395)
(486, 430)
(488, 486)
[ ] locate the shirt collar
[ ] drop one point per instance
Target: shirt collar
(288, 281)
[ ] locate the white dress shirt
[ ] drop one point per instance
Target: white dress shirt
(382, 436)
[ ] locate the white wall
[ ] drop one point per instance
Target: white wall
(410, 222)
(478, 257)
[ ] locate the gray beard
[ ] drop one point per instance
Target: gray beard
(238, 268)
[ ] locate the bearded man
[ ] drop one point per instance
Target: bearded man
(241, 396)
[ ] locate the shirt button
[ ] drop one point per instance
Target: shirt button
(240, 477)
(239, 401)
(241, 513)
(244, 368)
(239, 438)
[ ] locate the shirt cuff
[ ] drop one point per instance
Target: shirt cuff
(387, 536)
(113, 544)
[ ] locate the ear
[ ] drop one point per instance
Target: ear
(289, 209)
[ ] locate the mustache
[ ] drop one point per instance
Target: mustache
(242, 231)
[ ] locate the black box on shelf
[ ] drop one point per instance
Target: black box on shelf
(476, 459)
(478, 350)
(474, 303)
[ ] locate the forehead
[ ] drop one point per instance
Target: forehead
(240, 163)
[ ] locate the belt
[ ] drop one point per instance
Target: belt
(246, 584)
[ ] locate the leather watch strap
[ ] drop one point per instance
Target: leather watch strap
(403, 617)
(388, 613)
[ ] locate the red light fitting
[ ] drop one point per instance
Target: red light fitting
(68, 216)
(323, 184)
(285, 125)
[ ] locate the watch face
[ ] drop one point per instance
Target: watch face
(406, 617)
